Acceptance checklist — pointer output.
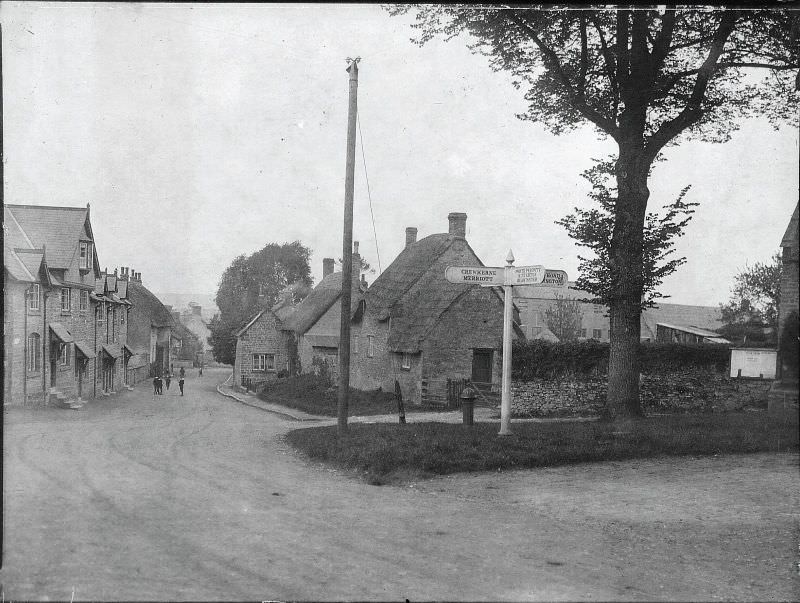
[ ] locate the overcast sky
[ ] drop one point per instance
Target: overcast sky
(199, 133)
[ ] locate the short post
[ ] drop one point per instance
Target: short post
(505, 400)
(468, 396)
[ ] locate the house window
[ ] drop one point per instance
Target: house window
(85, 255)
(583, 333)
(84, 303)
(597, 333)
(33, 297)
(114, 325)
(406, 361)
(34, 352)
(370, 346)
(101, 312)
(355, 345)
(263, 362)
(66, 299)
(63, 354)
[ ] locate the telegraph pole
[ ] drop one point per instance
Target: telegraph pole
(347, 250)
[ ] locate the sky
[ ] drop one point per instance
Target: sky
(198, 133)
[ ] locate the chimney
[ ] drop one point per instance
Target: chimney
(198, 310)
(364, 284)
(356, 264)
(327, 267)
(411, 236)
(458, 224)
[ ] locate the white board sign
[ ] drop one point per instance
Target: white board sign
(527, 275)
(753, 363)
(475, 275)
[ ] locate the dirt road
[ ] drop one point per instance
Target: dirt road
(198, 498)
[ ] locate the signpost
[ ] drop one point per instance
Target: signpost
(507, 277)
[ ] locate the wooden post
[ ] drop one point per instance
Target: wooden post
(347, 252)
(505, 400)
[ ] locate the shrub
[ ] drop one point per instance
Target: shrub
(539, 359)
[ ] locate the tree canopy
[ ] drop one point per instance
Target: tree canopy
(253, 282)
(647, 78)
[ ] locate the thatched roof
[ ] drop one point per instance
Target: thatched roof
(407, 269)
(147, 304)
(323, 296)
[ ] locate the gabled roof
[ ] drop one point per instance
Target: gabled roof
(57, 228)
(414, 315)
(147, 304)
(790, 237)
(707, 318)
(16, 267)
(324, 295)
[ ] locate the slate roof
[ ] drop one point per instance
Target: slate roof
(16, 267)
(57, 228)
(707, 318)
(321, 298)
(144, 302)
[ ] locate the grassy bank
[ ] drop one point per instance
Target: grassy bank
(390, 452)
(314, 394)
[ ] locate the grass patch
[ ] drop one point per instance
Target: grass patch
(314, 394)
(390, 453)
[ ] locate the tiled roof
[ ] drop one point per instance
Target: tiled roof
(144, 302)
(318, 302)
(15, 267)
(56, 228)
(32, 258)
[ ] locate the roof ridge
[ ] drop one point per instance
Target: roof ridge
(28, 206)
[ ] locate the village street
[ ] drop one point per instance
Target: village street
(198, 498)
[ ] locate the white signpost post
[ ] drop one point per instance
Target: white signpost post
(507, 277)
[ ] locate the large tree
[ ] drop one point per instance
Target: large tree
(645, 78)
(250, 283)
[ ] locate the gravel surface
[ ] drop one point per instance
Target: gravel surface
(199, 498)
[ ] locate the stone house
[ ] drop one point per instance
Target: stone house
(262, 347)
(149, 327)
(112, 309)
(54, 325)
(789, 294)
(418, 329)
(534, 301)
(193, 320)
(316, 321)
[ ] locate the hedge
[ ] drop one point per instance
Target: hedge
(540, 359)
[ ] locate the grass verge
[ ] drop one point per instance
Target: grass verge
(313, 394)
(389, 453)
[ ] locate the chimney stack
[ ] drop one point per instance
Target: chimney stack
(327, 266)
(356, 276)
(458, 224)
(411, 236)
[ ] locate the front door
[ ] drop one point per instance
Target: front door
(482, 366)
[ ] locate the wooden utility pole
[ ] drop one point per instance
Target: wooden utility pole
(347, 250)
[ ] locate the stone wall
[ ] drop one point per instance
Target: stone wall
(685, 391)
(263, 337)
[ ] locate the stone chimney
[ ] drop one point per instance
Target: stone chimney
(364, 284)
(458, 224)
(356, 264)
(411, 236)
(327, 266)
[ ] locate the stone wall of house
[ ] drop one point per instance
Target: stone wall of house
(475, 321)
(790, 289)
(371, 371)
(15, 336)
(263, 337)
(685, 391)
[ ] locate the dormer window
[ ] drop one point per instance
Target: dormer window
(86, 255)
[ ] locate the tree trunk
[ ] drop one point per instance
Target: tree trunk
(627, 285)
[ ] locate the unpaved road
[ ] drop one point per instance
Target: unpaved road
(198, 498)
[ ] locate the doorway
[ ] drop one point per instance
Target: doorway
(482, 363)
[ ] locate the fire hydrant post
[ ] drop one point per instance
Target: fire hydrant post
(468, 396)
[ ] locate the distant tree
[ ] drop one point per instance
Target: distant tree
(647, 78)
(252, 282)
(752, 311)
(593, 228)
(365, 265)
(563, 317)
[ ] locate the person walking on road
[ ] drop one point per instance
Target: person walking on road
(180, 382)
(182, 374)
(155, 386)
(167, 379)
(159, 385)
